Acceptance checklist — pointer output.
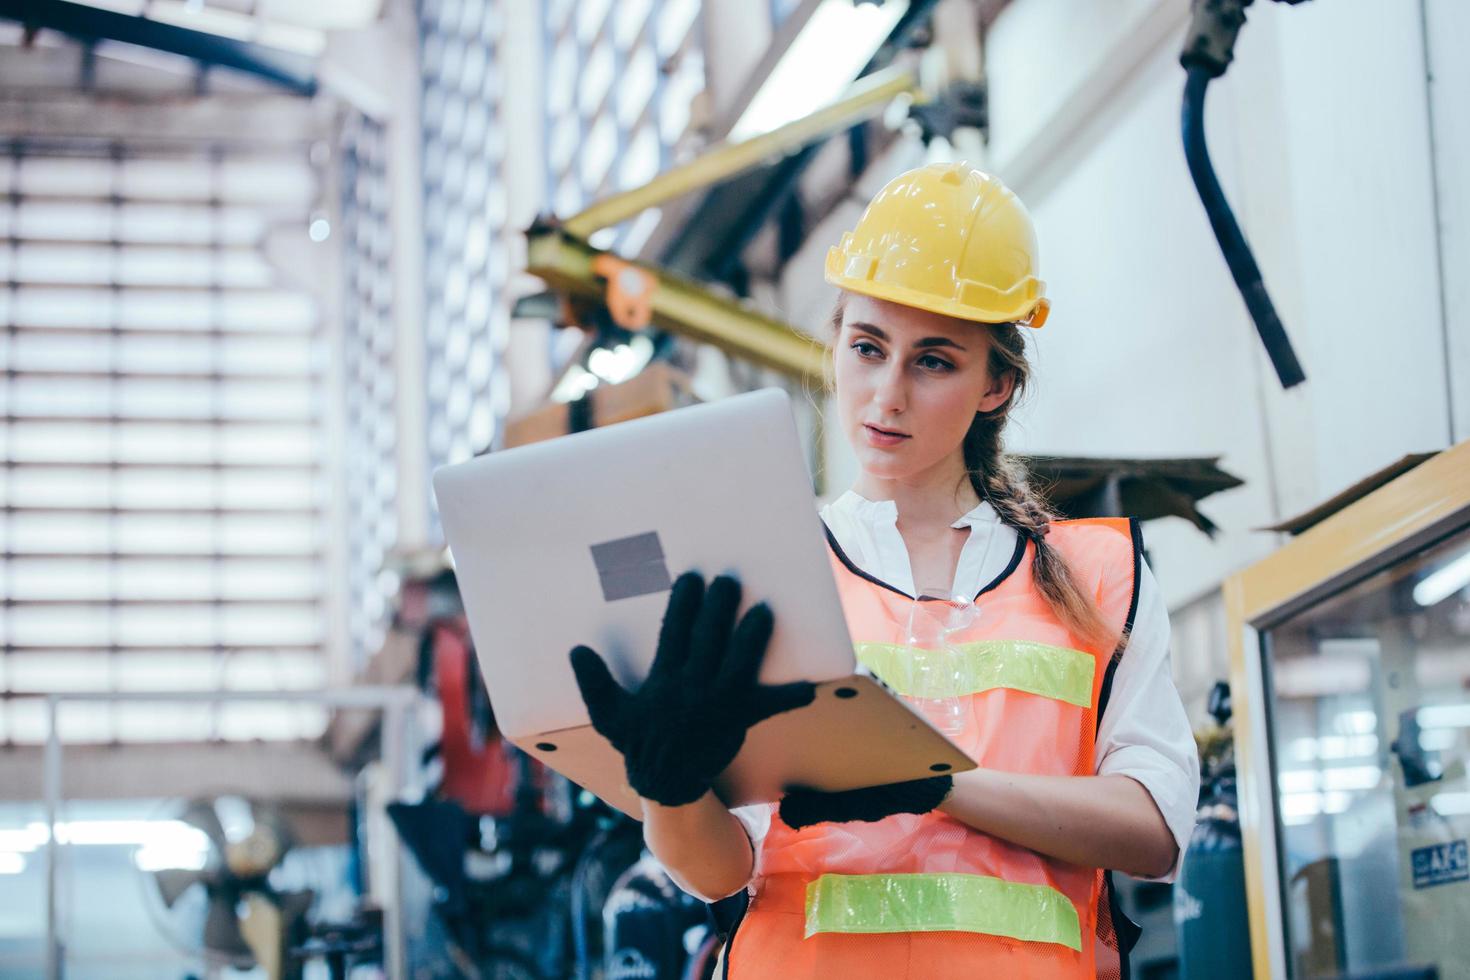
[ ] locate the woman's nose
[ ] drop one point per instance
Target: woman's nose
(891, 395)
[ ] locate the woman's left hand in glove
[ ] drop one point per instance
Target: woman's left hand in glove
(802, 807)
(688, 719)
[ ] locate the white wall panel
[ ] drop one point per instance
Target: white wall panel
(1321, 133)
(1356, 117)
(1146, 352)
(1447, 25)
(1039, 51)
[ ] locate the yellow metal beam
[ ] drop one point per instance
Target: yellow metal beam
(560, 255)
(868, 97)
(682, 306)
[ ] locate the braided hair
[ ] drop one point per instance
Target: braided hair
(1001, 481)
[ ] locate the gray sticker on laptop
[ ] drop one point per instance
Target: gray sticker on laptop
(632, 566)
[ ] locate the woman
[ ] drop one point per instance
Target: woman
(1084, 753)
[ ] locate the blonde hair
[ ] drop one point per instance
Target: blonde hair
(1001, 481)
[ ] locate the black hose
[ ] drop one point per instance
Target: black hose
(1227, 232)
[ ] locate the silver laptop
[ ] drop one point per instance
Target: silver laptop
(579, 539)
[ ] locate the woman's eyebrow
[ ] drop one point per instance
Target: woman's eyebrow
(926, 342)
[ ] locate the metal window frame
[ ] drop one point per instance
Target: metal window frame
(1388, 525)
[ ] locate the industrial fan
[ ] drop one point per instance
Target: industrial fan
(220, 901)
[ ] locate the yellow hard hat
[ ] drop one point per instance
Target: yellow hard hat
(949, 239)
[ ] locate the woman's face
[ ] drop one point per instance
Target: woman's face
(919, 375)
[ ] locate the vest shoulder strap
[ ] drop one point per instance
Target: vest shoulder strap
(1133, 531)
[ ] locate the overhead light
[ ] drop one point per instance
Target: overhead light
(574, 384)
(324, 15)
(188, 854)
(620, 362)
(1444, 716)
(12, 863)
(605, 365)
(109, 833)
(23, 839)
(838, 40)
(240, 26)
(198, 17)
(1444, 583)
(1451, 804)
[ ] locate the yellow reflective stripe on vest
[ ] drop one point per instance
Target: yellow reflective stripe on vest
(941, 902)
(969, 668)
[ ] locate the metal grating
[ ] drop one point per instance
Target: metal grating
(620, 82)
(467, 257)
(369, 382)
(162, 520)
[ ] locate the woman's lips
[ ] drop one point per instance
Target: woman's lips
(878, 437)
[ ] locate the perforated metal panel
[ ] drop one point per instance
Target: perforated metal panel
(467, 240)
(369, 382)
(620, 81)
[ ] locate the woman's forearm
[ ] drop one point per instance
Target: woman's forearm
(1095, 821)
(702, 845)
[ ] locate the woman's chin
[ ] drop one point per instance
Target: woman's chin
(881, 465)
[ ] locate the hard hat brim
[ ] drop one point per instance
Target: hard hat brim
(1032, 314)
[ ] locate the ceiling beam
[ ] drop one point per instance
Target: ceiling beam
(294, 72)
(273, 771)
(265, 124)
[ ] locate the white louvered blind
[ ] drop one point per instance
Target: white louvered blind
(162, 491)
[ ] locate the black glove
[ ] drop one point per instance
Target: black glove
(803, 807)
(687, 721)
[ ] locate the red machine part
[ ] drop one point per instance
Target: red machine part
(478, 772)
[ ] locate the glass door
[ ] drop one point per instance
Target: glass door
(1368, 716)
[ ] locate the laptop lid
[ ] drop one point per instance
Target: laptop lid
(578, 540)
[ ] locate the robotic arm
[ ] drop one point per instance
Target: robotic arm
(1208, 50)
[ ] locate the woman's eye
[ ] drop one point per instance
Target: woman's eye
(867, 350)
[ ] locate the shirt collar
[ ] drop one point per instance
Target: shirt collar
(887, 511)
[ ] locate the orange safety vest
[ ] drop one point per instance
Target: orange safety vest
(926, 896)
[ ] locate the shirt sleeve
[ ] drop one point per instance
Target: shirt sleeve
(1145, 732)
(756, 818)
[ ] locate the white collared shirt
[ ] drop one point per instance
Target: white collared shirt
(1144, 733)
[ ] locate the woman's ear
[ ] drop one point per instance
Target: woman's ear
(998, 393)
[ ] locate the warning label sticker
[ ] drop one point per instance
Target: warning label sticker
(1440, 864)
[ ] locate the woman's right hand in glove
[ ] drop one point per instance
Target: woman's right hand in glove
(688, 719)
(802, 807)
